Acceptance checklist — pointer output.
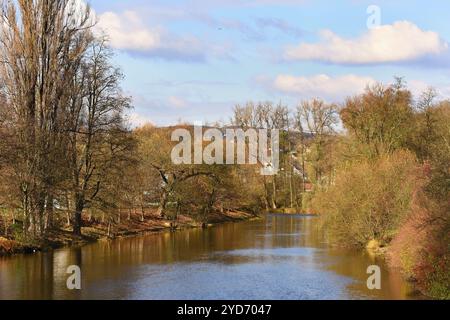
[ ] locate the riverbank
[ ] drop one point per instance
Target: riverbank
(293, 211)
(130, 225)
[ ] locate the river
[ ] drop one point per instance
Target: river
(279, 257)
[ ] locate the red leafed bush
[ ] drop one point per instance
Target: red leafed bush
(421, 247)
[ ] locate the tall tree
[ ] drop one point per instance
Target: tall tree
(319, 119)
(380, 119)
(99, 143)
(42, 44)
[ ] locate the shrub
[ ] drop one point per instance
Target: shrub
(368, 200)
(421, 247)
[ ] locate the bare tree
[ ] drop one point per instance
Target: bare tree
(42, 43)
(98, 139)
(318, 119)
(264, 115)
(245, 116)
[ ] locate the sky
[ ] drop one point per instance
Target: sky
(194, 60)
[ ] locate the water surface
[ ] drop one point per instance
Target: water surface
(280, 257)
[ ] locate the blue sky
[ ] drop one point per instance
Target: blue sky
(194, 60)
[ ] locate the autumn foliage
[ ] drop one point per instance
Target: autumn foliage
(391, 185)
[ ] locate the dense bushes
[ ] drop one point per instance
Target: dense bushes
(420, 248)
(389, 200)
(369, 199)
(392, 183)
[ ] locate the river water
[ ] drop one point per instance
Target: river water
(280, 257)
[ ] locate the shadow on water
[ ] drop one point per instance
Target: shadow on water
(280, 257)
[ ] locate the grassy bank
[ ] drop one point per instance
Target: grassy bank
(129, 225)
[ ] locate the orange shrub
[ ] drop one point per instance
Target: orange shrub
(368, 200)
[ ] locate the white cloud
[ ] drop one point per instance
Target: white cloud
(336, 89)
(177, 102)
(418, 87)
(400, 42)
(128, 32)
(323, 86)
(138, 120)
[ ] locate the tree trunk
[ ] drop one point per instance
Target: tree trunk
(26, 213)
(39, 212)
(69, 206)
(210, 204)
(68, 218)
(266, 195)
(32, 223)
(109, 229)
(274, 194)
(291, 174)
(291, 189)
(49, 212)
(163, 203)
(78, 214)
(5, 220)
